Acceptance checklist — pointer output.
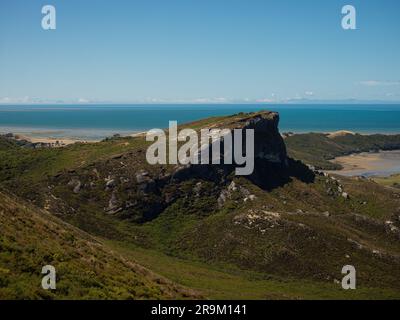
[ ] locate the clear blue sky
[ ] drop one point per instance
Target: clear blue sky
(199, 50)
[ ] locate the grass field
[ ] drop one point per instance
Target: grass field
(392, 181)
(228, 282)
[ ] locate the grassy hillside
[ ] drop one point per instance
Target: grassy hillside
(225, 281)
(318, 148)
(283, 233)
(86, 268)
(392, 181)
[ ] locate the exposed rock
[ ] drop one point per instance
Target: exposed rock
(260, 220)
(390, 227)
(232, 186)
(269, 144)
(76, 184)
(142, 176)
(376, 252)
(96, 173)
(223, 197)
(113, 207)
(77, 187)
(251, 197)
(272, 214)
(110, 184)
(245, 192)
(124, 180)
(358, 245)
(330, 192)
(197, 189)
(145, 183)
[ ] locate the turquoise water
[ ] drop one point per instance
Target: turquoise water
(99, 121)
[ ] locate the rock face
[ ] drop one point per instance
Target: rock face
(272, 167)
(270, 156)
(268, 143)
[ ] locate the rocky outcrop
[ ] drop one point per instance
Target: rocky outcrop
(272, 165)
(269, 144)
(134, 190)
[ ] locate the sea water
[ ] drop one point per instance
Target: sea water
(100, 121)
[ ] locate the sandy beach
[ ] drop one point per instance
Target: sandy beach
(384, 163)
(49, 140)
(62, 141)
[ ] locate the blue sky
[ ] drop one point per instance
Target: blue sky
(129, 51)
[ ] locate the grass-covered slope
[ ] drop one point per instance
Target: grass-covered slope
(286, 230)
(86, 268)
(318, 148)
(392, 181)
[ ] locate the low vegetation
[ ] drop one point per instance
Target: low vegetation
(86, 267)
(392, 181)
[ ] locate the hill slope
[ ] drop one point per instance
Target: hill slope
(285, 223)
(318, 148)
(86, 268)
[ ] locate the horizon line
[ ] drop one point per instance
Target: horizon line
(299, 102)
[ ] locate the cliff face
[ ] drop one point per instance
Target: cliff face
(268, 143)
(267, 147)
(272, 166)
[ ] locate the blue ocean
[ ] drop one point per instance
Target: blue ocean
(100, 121)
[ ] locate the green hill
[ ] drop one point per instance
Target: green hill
(318, 148)
(283, 232)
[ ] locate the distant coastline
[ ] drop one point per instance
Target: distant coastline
(61, 125)
(67, 137)
(381, 164)
(96, 122)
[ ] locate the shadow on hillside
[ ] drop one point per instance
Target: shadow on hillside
(266, 175)
(269, 176)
